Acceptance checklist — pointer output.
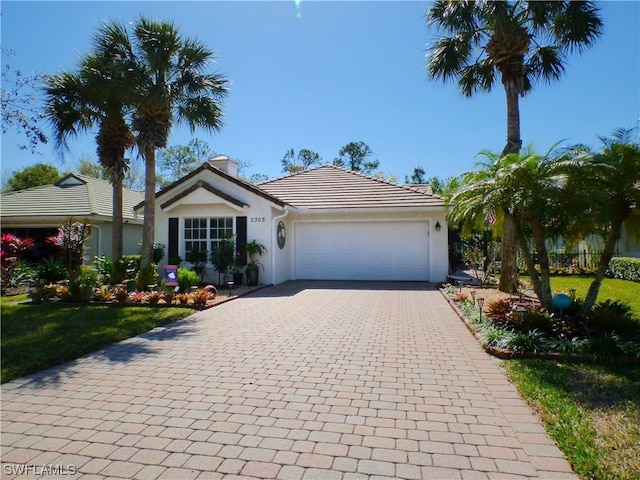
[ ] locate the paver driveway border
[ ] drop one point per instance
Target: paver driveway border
(298, 381)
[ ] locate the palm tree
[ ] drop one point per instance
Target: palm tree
(490, 39)
(170, 85)
(614, 193)
(96, 95)
(535, 191)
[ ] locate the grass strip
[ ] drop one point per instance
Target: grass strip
(611, 288)
(591, 411)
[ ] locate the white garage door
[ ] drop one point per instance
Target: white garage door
(362, 251)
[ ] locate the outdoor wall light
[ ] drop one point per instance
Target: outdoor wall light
(438, 226)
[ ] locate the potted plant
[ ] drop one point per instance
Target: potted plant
(253, 250)
(236, 269)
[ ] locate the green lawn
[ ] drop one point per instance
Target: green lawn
(36, 336)
(611, 288)
(591, 411)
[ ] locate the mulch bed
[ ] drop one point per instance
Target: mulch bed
(223, 295)
(491, 294)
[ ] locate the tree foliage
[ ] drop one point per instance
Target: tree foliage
(613, 180)
(355, 156)
(518, 43)
(567, 194)
(418, 177)
(176, 161)
(292, 163)
(97, 95)
(171, 85)
(18, 100)
(32, 176)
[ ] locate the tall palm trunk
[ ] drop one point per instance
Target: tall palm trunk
(509, 262)
(149, 207)
(543, 257)
(117, 226)
(607, 255)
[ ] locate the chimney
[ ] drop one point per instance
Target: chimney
(224, 163)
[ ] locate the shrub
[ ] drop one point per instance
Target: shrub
(154, 297)
(70, 241)
(182, 298)
(491, 335)
(169, 295)
(605, 347)
(23, 274)
(146, 276)
(536, 320)
(129, 265)
(567, 346)
(613, 316)
(625, 268)
(12, 249)
(104, 267)
(49, 270)
(81, 285)
(532, 341)
(499, 309)
(43, 292)
(103, 293)
(201, 297)
(158, 252)
(461, 296)
(187, 279)
(120, 294)
(138, 297)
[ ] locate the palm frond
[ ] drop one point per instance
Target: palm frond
(447, 57)
(577, 26)
(478, 77)
(545, 63)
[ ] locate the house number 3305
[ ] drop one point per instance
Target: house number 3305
(258, 219)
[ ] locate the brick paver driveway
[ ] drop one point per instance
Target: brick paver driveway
(303, 380)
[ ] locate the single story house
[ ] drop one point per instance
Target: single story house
(38, 212)
(326, 223)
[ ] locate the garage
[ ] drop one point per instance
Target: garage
(362, 250)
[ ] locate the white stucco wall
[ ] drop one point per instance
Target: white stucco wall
(264, 215)
(204, 204)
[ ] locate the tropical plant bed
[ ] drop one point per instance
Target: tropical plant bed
(200, 299)
(548, 336)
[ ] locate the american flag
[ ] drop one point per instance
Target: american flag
(491, 218)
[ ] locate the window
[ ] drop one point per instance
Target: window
(204, 234)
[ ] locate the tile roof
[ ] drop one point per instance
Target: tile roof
(73, 195)
(211, 168)
(331, 187)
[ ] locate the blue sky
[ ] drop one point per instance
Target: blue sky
(318, 75)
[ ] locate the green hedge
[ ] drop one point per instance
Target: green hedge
(625, 268)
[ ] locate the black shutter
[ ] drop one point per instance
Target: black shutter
(172, 251)
(241, 238)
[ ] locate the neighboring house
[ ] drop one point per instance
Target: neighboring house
(327, 223)
(38, 212)
(628, 246)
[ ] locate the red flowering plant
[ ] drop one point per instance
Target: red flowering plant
(12, 248)
(70, 241)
